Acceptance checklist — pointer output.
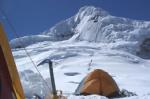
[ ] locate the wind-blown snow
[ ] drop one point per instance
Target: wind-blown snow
(112, 43)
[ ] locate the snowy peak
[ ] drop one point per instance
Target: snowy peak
(90, 11)
(67, 28)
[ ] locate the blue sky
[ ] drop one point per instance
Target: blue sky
(35, 16)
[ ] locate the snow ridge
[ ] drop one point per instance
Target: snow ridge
(28, 40)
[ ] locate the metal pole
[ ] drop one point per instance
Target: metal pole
(52, 78)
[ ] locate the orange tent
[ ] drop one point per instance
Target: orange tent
(98, 82)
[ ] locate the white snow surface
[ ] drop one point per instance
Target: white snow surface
(129, 71)
(92, 34)
(85, 97)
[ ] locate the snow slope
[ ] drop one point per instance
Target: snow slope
(112, 43)
(129, 71)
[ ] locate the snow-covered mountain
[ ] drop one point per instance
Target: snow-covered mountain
(96, 25)
(70, 27)
(114, 44)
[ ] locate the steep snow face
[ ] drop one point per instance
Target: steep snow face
(112, 29)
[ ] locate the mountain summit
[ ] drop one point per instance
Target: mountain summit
(67, 28)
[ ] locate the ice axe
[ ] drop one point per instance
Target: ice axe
(50, 63)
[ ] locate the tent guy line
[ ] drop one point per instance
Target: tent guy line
(17, 36)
